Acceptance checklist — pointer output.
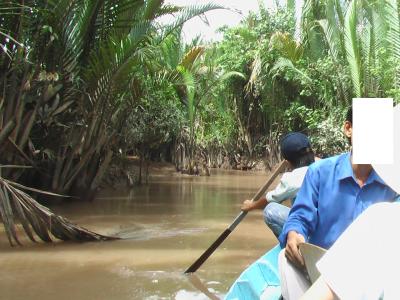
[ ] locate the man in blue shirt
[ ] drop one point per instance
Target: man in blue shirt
(334, 192)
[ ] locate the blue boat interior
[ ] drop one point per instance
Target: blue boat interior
(259, 281)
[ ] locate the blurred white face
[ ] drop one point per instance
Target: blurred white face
(372, 131)
(390, 173)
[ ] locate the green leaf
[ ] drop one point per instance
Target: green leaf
(352, 48)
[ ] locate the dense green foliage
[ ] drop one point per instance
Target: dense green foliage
(72, 74)
(84, 80)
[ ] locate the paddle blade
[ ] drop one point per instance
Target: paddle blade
(196, 282)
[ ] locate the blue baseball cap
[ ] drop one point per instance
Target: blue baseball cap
(292, 144)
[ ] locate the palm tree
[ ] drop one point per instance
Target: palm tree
(69, 72)
(117, 63)
(103, 48)
(363, 35)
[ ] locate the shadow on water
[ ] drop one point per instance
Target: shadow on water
(166, 226)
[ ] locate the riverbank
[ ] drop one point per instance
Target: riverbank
(130, 171)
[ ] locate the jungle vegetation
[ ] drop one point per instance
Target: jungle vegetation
(85, 83)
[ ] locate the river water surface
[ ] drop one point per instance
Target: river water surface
(166, 224)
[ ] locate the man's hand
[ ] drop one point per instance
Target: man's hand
(292, 252)
(247, 205)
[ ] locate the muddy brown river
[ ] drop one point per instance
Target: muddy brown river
(166, 224)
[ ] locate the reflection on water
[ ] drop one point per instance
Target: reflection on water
(167, 225)
(200, 286)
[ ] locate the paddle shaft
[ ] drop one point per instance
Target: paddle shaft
(197, 264)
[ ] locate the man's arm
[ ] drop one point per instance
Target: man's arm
(249, 205)
(303, 217)
(286, 189)
(282, 192)
(292, 248)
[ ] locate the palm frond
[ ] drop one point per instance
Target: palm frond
(393, 35)
(380, 27)
(339, 12)
(23, 187)
(188, 13)
(367, 42)
(190, 92)
(329, 37)
(151, 9)
(34, 217)
(8, 217)
(230, 74)
(112, 66)
(306, 20)
(286, 46)
(334, 17)
(282, 64)
(167, 9)
(119, 16)
(351, 45)
(191, 56)
(256, 69)
(171, 50)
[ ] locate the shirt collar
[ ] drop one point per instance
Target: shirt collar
(345, 170)
(344, 167)
(375, 177)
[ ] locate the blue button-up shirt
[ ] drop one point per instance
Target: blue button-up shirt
(330, 199)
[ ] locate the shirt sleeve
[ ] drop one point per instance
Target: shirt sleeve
(286, 189)
(303, 215)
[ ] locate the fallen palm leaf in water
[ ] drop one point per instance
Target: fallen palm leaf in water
(14, 203)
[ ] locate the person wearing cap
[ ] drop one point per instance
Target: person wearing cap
(296, 149)
(335, 191)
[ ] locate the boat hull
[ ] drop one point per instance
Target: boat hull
(259, 281)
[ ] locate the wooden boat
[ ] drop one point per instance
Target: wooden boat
(260, 280)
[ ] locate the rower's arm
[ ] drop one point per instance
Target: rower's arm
(249, 205)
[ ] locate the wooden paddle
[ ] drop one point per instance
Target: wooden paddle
(197, 264)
